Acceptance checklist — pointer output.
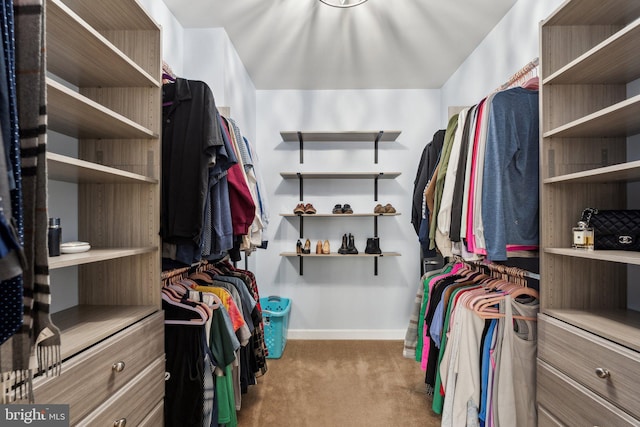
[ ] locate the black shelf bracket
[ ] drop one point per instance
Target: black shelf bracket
(375, 266)
(375, 187)
(375, 147)
(301, 226)
(300, 184)
(300, 257)
(300, 140)
(375, 226)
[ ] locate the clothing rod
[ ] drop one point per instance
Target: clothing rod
(520, 73)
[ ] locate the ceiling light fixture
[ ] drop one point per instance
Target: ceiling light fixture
(343, 3)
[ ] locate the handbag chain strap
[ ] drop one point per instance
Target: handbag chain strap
(587, 214)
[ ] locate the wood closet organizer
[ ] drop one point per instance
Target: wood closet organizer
(104, 89)
(589, 341)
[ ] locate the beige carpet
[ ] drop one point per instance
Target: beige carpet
(339, 383)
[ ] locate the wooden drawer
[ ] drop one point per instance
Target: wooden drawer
(545, 419)
(133, 402)
(89, 378)
(155, 417)
(579, 354)
(569, 403)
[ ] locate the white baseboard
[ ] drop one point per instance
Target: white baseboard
(346, 334)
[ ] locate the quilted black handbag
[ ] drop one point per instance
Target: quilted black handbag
(614, 229)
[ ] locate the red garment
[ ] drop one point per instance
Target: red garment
(243, 209)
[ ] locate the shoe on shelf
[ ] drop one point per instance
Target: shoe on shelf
(309, 209)
(373, 246)
(307, 247)
(319, 247)
(337, 209)
(298, 247)
(379, 209)
(351, 246)
(325, 248)
(346, 209)
(299, 209)
(343, 248)
(389, 209)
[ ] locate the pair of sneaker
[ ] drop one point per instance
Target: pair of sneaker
(301, 208)
(342, 209)
(388, 208)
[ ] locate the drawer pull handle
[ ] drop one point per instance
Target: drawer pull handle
(118, 367)
(120, 423)
(603, 373)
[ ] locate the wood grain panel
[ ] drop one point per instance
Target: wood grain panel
(143, 47)
(563, 44)
(69, 169)
(573, 12)
(335, 254)
(75, 115)
(155, 417)
(135, 346)
(573, 404)
(114, 15)
(69, 39)
(123, 281)
(133, 401)
(545, 419)
(569, 103)
(96, 255)
(608, 62)
(578, 354)
(141, 105)
(562, 156)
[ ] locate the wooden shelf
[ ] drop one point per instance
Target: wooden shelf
(340, 175)
(341, 136)
(69, 38)
(587, 12)
(342, 215)
(96, 255)
(75, 115)
(620, 119)
(113, 15)
(608, 62)
(335, 254)
(69, 169)
(620, 326)
(626, 257)
(84, 325)
(623, 172)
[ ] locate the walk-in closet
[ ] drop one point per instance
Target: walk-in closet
(319, 213)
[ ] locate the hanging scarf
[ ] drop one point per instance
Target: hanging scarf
(36, 345)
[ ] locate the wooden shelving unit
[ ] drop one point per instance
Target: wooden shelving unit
(103, 87)
(587, 60)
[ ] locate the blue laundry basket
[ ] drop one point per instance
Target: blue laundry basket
(275, 314)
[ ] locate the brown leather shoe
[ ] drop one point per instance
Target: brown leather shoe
(389, 209)
(379, 209)
(319, 247)
(299, 209)
(307, 247)
(325, 248)
(298, 247)
(309, 209)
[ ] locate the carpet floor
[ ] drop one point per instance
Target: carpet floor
(339, 383)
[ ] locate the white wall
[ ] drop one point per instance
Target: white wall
(513, 43)
(342, 295)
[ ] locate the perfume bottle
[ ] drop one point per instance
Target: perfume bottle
(583, 236)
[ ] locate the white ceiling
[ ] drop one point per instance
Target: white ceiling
(382, 44)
